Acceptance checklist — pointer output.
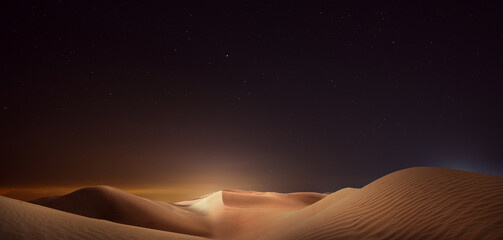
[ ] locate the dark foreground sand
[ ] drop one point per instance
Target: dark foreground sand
(415, 203)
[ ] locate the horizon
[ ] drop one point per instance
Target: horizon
(157, 193)
(182, 98)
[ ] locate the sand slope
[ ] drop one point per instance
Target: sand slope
(415, 203)
(237, 214)
(112, 204)
(22, 220)
(224, 214)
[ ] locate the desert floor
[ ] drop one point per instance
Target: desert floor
(414, 203)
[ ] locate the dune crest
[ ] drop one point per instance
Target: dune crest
(220, 214)
(414, 203)
(108, 203)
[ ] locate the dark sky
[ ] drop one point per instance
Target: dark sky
(272, 96)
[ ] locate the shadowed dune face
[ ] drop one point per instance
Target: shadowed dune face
(22, 220)
(198, 217)
(214, 215)
(112, 204)
(415, 203)
(95, 202)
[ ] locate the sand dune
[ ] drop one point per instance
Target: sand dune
(22, 220)
(237, 214)
(250, 199)
(415, 203)
(218, 214)
(112, 204)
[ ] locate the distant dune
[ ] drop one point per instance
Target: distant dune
(208, 216)
(415, 203)
(112, 204)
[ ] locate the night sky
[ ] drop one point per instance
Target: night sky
(169, 100)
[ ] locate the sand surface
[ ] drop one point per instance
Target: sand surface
(415, 203)
(22, 220)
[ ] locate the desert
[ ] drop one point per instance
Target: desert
(414, 203)
(256, 120)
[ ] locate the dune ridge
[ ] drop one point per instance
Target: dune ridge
(104, 202)
(219, 215)
(414, 203)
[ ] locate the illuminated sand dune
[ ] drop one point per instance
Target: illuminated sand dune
(415, 203)
(218, 214)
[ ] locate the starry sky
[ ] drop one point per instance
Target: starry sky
(173, 100)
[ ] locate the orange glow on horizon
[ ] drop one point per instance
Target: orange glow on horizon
(167, 194)
(172, 188)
